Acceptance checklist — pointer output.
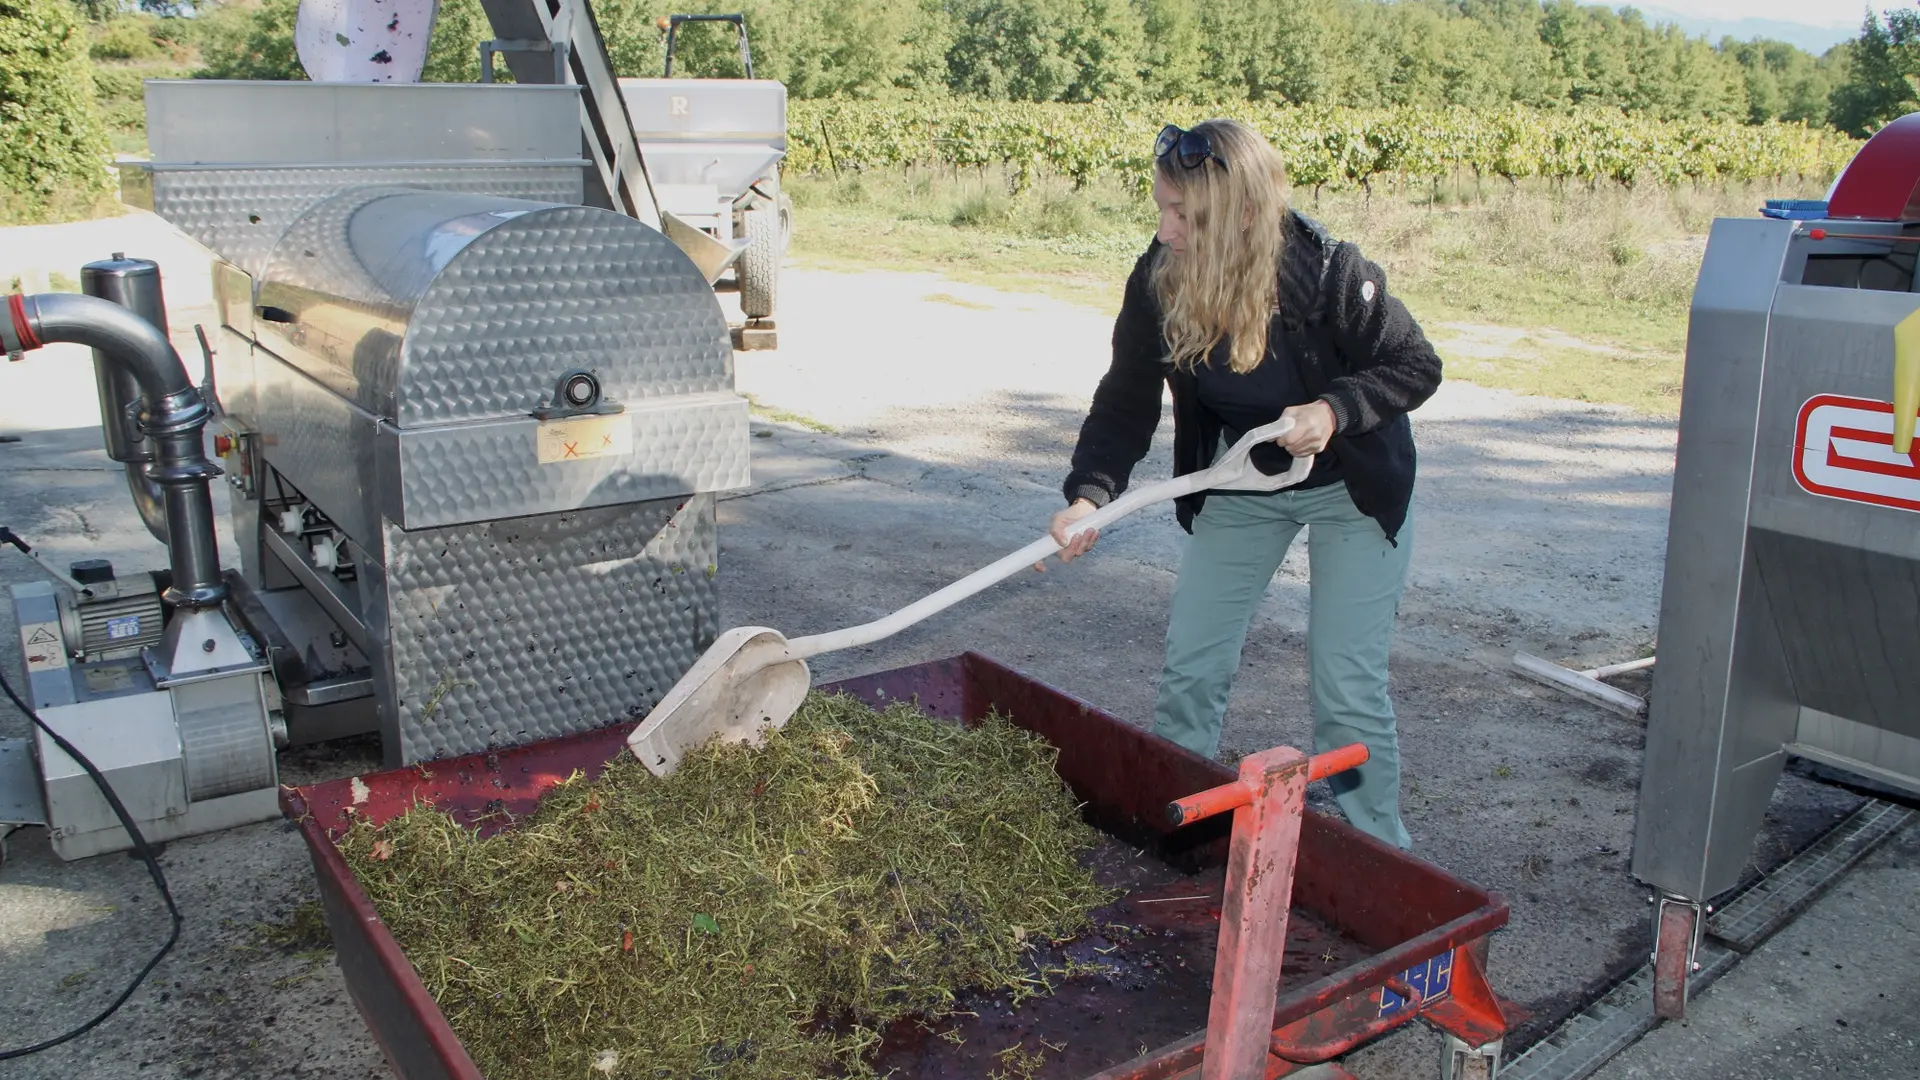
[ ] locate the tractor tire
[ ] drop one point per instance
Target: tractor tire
(760, 263)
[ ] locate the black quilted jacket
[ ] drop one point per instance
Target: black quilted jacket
(1356, 347)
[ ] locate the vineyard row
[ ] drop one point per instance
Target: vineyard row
(1323, 147)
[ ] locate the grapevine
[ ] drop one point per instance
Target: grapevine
(1322, 146)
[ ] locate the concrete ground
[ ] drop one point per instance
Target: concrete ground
(914, 429)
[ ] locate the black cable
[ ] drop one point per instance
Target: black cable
(139, 846)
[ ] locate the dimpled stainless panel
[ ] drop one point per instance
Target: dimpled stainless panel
(516, 630)
(403, 339)
(240, 211)
(337, 321)
(473, 472)
(429, 308)
(575, 287)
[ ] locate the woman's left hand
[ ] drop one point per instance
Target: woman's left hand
(1312, 427)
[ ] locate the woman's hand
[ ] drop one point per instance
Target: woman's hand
(1312, 427)
(1079, 545)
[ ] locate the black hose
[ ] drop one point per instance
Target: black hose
(139, 846)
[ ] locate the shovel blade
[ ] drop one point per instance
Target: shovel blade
(742, 687)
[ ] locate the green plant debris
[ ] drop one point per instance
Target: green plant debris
(782, 416)
(445, 686)
(1018, 1063)
(760, 913)
(287, 982)
(303, 931)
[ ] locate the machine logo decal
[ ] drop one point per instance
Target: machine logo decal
(1431, 980)
(126, 626)
(1843, 449)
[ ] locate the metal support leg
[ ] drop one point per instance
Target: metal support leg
(1473, 1016)
(1677, 923)
(494, 45)
(1458, 1061)
(1267, 803)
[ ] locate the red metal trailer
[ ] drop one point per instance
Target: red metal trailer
(1374, 938)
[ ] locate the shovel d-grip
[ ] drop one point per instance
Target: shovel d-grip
(1267, 802)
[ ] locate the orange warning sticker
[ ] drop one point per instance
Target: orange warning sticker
(40, 643)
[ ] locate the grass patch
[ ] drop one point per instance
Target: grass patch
(1049, 239)
(61, 206)
(955, 301)
(760, 913)
(55, 282)
(1614, 267)
(782, 416)
(1647, 382)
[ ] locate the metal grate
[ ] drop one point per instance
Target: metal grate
(1764, 907)
(1580, 1046)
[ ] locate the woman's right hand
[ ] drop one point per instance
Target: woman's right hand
(1080, 544)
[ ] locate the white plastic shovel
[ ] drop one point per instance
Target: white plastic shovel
(752, 679)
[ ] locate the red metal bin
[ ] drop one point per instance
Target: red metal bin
(1364, 914)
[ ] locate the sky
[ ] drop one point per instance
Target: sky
(1811, 12)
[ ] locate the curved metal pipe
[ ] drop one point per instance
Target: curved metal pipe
(132, 341)
(149, 498)
(174, 419)
(134, 284)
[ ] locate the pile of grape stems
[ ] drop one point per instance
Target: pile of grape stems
(763, 912)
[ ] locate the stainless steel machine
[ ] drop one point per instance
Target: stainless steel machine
(471, 431)
(1790, 618)
(713, 149)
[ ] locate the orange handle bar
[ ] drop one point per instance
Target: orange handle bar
(1232, 796)
(1350, 756)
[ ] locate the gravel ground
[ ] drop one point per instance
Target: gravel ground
(1539, 526)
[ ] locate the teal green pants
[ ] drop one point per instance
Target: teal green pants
(1355, 578)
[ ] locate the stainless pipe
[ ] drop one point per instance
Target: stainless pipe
(149, 499)
(133, 284)
(173, 419)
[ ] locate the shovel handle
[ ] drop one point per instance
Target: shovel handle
(1234, 469)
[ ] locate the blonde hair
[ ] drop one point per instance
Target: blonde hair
(1225, 284)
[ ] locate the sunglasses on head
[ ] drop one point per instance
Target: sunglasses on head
(1190, 148)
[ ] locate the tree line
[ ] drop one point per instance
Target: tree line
(1499, 60)
(1476, 54)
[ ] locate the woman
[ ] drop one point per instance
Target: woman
(1249, 312)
